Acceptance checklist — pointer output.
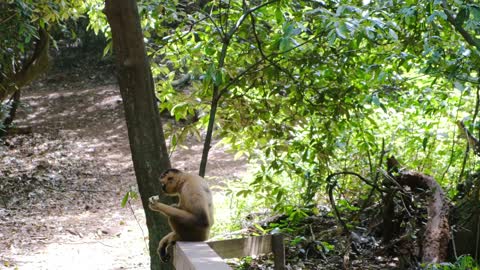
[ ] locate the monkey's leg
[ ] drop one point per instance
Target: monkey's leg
(165, 244)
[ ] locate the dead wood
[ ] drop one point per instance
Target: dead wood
(437, 231)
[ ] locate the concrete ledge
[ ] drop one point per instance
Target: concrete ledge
(197, 256)
(210, 255)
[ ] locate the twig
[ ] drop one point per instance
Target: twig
(451, 19)
(474, 118)
(8, 18)
(141, 229)
(454, 246)
(104, 244)
(219, 29)
(244, 16)
(454, 141)
(390, 178)
(333, 184)
(217, 93)
(377, 174)
(262, 53)
(240, 75)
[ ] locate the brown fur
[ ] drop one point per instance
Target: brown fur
(192, 218)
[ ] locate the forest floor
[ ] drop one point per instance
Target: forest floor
(63, 179)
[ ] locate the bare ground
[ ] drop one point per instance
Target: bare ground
(62, 183)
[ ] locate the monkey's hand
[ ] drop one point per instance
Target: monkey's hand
(154, 203)
(154, 199)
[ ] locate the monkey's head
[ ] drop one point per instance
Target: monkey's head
(170, 181)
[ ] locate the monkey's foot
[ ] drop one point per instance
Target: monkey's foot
(163, 253)
(165, 257)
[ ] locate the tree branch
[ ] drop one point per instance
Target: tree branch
(217, 93)
(36, 65)
(333, 184)
(259, 45)
(244, 16)
(472, 141)
(451, 19)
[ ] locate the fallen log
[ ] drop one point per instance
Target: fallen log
(437, 231)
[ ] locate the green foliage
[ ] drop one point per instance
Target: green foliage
(308, 88)
(130, 195)
(20, 21)
(462, 263)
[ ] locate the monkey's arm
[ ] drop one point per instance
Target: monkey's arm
(170, 211)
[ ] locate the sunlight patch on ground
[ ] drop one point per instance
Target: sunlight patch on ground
(124, 250)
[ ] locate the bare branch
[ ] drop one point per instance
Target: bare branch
(451, 19)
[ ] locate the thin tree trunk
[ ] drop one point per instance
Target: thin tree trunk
(147, 141)
(35, 66)
(208, 137)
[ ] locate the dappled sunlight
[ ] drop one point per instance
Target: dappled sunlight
(64, 109)
(64, 182)
(123, 245)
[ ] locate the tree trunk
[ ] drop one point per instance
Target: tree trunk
(147, 142)
(35, 66)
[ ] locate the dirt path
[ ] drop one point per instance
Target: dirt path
(61, 185)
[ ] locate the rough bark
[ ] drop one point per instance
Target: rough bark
(388, 204)
(147, 143)
(36, 65)
(437, 231)
(388, 216)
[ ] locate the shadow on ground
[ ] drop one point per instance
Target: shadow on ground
(61, 185)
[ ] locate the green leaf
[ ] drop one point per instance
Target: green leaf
(179, 110)
(284, 44)
(475, 10)
(209, 50)
(262, 230)
(279, 195)
(174, 140)
(107, 48)
(393, 34)
(425, 143)
(462, 16)
(458, 85)
(125, 199)
(435, 14)
(370, 32)
(279, 15)
(341, 29)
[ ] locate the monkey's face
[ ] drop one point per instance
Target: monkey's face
(170, 184)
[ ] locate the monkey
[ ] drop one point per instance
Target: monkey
(190, 219)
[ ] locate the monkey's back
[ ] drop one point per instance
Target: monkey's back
(196, 198)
